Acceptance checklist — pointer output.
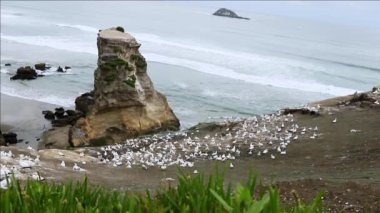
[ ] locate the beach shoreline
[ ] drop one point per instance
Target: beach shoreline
(24, 117)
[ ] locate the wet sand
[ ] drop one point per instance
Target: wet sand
(24, 117)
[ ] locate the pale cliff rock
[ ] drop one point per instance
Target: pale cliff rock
(124, 102)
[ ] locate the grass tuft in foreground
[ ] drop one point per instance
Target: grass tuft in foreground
(192, 194)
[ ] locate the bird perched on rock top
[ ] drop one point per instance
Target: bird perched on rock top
(63, 164)
(335, 120)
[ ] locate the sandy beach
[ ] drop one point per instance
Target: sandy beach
(24, 117)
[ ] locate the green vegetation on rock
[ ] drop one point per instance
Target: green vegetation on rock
(192, 194)
(110, 77)
(139, 61)
(115, 63)
(131, 80)
(99, 141)
(117, 49)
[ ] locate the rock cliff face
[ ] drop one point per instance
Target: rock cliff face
(124, 102)
(228, 13)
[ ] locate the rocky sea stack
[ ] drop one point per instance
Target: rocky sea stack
(228, 13)
(124, 103)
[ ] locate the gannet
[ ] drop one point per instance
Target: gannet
(77, 168)
(63, 164)
(25, 163)
(334, 121)
(36, 176)
(4, 183)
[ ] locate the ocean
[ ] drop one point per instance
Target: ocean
(208, 67)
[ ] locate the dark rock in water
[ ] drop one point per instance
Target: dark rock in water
(7, 64)
(59, 112)
(84, 102)
(25, 73)
(40, 75)
(63, 121)
(228, 13)
(67, 67)
(73, 113)
(48, 114)
(10, 137)
(60, 69)
(2, 140)
(40, 66)
(66, 120)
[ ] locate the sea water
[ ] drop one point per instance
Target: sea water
(207, 66)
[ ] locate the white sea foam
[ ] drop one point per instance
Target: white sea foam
(62, 43)
(3, 70)
(302, 85)
(182, 85)
(31, 94)
(80, 27)
(253, 61)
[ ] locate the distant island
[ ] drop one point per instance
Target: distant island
(228, 13)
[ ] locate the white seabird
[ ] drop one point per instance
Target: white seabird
(25, 163)
(334, 121)
(63, 164)
(36, 176)
(5, 183)
(77, 168)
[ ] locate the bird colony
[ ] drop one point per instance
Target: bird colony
(255, 137)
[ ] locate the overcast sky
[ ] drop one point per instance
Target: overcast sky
(359, 13)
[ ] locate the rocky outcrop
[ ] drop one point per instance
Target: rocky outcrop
(2, 140)
(59, 69)
(25, 73)
(84, 102)
(40, 66)
(124, 102)
(10, 138)
(61, 118)
(228, 13)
